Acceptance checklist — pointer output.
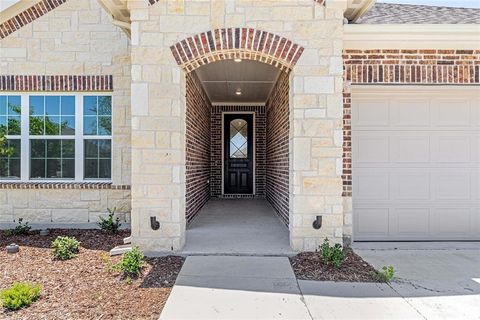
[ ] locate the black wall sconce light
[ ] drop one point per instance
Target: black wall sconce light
(154, 223)
(317, 223)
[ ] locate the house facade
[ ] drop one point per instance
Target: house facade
(337, 112)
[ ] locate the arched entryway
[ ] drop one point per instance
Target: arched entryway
(237, 126)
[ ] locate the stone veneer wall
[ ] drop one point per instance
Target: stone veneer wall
(278, 129)
(397, 67)
(217, 147)
(69, 205)
(72, 47)
(197, 122)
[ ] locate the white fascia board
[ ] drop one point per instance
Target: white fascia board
(411, 36)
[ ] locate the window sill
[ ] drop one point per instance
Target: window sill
(61, 185)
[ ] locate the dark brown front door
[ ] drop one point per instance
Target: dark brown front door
(238, 153)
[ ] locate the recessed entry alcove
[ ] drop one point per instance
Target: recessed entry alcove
(237, 158)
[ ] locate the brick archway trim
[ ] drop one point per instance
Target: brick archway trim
(229, 43)
(27, 16)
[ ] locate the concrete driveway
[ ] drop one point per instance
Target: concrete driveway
(438, 280)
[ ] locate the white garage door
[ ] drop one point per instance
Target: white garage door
(416, 163)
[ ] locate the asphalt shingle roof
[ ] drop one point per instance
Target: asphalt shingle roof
(387, 13)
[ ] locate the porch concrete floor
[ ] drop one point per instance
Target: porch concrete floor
(237, 227)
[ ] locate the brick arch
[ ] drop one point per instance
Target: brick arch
(229, 43)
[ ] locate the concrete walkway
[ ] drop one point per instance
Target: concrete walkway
(227, 287)
(237, 227)
(431, 284)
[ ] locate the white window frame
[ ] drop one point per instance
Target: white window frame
(78, 137)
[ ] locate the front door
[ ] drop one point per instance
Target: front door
(238, 153)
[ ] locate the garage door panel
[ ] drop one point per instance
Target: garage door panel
(371, 148)
(412, 222)
(371, 113)
(451, 112)
(452, 148)
(410, 149)
(452, 186)
(371, 185)
(451, 222)
(416, 165)
(410, 186)
(372, 222)
(410, 113)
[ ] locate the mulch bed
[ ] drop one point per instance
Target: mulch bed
(309, 266)
(84, 288)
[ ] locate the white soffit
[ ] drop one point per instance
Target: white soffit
(222, 79)
(404, 36)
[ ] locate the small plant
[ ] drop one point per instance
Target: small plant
(20, 229)
(332, 254)
(19, 295)
(65, 248)
(386, 274)
(131, 263)
(110, 224)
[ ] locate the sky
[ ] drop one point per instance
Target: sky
(441, 3)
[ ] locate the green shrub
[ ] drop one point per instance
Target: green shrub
(131, 263)
(19, 295)
(386, 274)
(109, 224)
(65, 248)
(332, 254)
(20, 229)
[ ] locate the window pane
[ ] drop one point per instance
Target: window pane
(68, 167)
(37, 168)
(36, 125)
(14, 125)
(104, 168)
(104, 148)
(54, 149)
(52, 105)
(238, 139)
(105, 105)
(68, 106)
(37, 148)
(90, 125)
(37, 105)
(3, 105)
(3, 124)
(104, 125)
(91, 168)
(91, 148)
(90, 105)
(14, 105)
(67, 125)
(52, 125)
(68, 149)
(54, 168)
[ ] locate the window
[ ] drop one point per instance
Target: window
(10, 165)
(238, 139)
(10, 126)
(97, 123)
(52, 159)
(56, 137)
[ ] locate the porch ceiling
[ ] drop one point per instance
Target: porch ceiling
(221, 80)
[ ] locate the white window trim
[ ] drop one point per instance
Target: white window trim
(78, 137)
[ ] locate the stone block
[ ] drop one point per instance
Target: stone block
(72, 215)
